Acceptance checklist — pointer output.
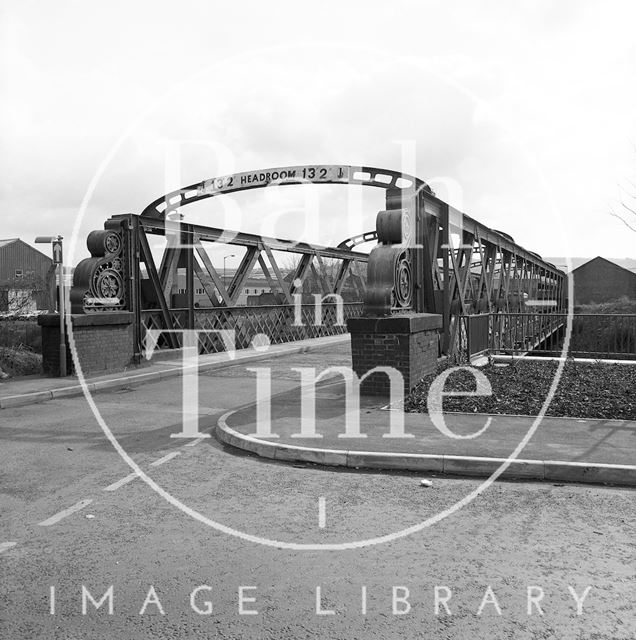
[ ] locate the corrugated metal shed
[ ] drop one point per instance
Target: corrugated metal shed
(17, 255)
(24, 267)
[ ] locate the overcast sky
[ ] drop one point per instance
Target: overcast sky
(522, 114)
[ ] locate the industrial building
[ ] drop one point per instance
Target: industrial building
(27, 278)
(600, 280)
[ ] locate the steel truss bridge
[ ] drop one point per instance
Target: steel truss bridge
(428, 258)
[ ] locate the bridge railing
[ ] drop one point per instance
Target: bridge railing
(280, 323)
(608, 336)
(521, 333)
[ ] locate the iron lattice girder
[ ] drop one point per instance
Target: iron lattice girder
(252, 255)
(278, 273)
(302, 269)
(206, 282)
(180, 253)
(239, 238)
(211, 271)
(488, 268)
(432, 214)
(145, 255)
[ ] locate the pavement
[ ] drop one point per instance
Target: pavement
(17, 392)
(560, 449)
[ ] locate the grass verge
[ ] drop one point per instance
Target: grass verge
(20, 361)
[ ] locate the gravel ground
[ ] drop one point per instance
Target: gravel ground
(595, 390)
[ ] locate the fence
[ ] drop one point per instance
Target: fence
(277, 322)
(519, 333)
(609, 336)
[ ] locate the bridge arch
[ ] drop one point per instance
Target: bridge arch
(280, 176)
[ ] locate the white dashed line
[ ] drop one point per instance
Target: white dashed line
(322, 512)
(6, 545)
(120, 483)
(67, 512)
(167, 457)
(131, 476)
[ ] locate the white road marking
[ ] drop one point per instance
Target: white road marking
(322, 514)
(6, 545)
(120, 483)
(167, 457)
(67, 512)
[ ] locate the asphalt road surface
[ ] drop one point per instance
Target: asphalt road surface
(76, 519)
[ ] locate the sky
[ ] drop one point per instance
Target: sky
(521, 114)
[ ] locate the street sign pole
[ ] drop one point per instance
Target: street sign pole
(56, 244)
(57, 258)
(60, 271)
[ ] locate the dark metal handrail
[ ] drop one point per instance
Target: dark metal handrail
(542, 333)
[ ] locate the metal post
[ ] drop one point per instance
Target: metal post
(446, 292)
(56, 244)
(130, 229)
(60, 271)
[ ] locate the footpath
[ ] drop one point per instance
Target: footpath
(16, 392)
(558, 450)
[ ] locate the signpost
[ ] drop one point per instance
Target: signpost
(56, 244)
(57, 251)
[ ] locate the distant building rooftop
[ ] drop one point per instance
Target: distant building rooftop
(561, 263)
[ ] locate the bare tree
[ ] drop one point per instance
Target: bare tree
(627, 202)
(17, 295)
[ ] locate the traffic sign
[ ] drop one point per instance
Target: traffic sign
(57, 252)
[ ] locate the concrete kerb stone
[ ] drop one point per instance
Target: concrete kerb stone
(328, 457)
(25, 399)
(167, 374)
(141, 378)
(405, 461)
(471, 466)
(484, 467)
(273, 450)
(592, 473)
(101, 385)
(66, 392)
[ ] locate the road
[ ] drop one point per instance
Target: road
(74, 516)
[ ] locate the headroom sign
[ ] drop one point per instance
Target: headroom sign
(271, 177)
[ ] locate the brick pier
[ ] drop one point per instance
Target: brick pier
(408, 343)
(103, 342)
